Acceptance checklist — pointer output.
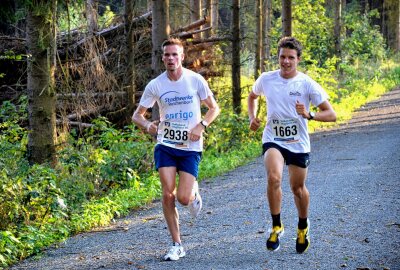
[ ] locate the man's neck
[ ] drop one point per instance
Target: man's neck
(288, 76)
(174, 75)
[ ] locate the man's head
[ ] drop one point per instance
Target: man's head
(289, 52)
(290, 43)
(172, 54)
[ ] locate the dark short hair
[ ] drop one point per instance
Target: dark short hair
(172, 41)
(290, 43)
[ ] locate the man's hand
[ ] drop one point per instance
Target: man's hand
(195, 133)
(152, 127)
(255, 123)
(301, 110)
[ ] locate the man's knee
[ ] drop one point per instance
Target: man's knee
(183, 199)
(168, 198)
(274, 180)
(299, 191)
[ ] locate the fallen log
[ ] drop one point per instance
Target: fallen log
(191, 26)
(12, 38)
(63, 96)
(187, 35)
(210, 73)
(74, 124)
(207, 40)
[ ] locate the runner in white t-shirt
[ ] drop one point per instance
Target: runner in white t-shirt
(285, 139)
(179, 103)
(179, 93)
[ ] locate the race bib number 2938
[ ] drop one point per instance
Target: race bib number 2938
(175, 134)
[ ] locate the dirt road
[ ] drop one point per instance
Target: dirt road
(354, 181)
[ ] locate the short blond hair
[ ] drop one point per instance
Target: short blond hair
(172, 41)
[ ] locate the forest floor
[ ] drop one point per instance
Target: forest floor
(354, 182)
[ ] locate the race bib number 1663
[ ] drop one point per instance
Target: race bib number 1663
(286, 130)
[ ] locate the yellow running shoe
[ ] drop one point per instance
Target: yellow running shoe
(303, 239)
(273, 240)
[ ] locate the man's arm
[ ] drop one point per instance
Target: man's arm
(252, 111)
(141, 121)
(325, 112)
(213, 109)
(212, 113)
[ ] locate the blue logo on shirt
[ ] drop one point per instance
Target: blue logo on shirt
(179, 115)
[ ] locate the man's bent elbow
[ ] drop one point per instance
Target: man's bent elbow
(332, 117)
(134, 120)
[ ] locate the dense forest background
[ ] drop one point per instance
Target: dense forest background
(72, 72)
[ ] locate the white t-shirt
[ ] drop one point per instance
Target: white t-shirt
(179, 103)
(284, 126)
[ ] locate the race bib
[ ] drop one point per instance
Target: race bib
(174, 134)
(285, 130)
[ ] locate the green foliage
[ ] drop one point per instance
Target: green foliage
(316, 40)
(107, 18)
(10, 55)
(365, 41)
(31, 199)
(96, 174)
(107, 159)
(72, 17)
(119, 202)
(215, 164)
(10, 248)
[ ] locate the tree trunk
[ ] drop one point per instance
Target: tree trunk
(337, 31)
(258, 39)
(207, 7)
(195, 13)
(130, 69)
(345, 30)
(392, 23)
(214, 16)
(41, 44)
(286, 18)
(160, 32)
(267, 17)
(91, 15)
(378, 5)
(236, 90)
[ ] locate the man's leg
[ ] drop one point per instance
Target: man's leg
(185, 186)
(274, 162)
(171, 215)
(298, 178)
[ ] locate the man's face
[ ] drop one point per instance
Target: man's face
(172, 57)
(288, 61)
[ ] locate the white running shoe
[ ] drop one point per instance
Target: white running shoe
(197, 203)
(175, 252)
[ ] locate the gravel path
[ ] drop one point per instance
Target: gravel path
(355, 212)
